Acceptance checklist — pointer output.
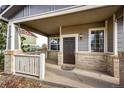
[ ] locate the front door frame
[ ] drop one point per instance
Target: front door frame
(61, 44)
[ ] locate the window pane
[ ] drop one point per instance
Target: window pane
(54, 44)
(53, 41)
(101, 34)
(101, 41)
(97, 41)
(54, 47)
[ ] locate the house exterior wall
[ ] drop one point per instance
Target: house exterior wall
(86, 60)
(30, 10)
(93, 61)
(84, 30)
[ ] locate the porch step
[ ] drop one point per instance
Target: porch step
(67, 67)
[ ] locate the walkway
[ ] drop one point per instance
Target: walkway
(78, 77)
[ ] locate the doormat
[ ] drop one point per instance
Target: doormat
(67, 67)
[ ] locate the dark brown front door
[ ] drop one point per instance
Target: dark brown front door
(69, 50)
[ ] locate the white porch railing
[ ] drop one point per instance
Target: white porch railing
(30, 65)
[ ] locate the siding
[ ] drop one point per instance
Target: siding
(110, 35)
(37, 9)
(82, 29)
(120, 30)
(120, 35)
(16, 38)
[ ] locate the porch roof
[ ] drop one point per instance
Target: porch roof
(50, 25)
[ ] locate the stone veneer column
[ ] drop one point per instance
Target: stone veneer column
(112, 65)
(60, 58)
(9, 63)
(121, 68)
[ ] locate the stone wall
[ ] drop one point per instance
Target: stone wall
(52, 55)
(91, 61)
(121, 68)
(95, 61)
(121, 72)
(112, 65)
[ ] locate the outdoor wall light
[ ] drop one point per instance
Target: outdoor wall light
(81, 36)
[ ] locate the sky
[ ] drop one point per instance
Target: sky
(40, 40)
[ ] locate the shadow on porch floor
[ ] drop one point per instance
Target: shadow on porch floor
(78, 77)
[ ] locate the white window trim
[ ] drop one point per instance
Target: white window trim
(67, 36)
(49, 48)
(105, 42)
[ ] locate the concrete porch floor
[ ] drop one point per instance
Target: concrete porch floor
(78, 77)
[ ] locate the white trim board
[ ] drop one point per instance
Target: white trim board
(97, 29)
(49, 45)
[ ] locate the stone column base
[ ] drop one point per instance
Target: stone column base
(122, 72)
(60, 58)
(9, 60)
(121, 68)
(112, 65)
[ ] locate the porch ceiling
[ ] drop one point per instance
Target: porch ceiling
(51, 25)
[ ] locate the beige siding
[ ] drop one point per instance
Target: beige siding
(82, 29)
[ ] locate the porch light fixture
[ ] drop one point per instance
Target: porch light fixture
(81, 36)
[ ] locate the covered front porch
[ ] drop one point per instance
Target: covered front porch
(74, 29)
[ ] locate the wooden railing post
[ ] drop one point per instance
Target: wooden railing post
(42, 66)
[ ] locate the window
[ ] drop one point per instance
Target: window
(97, 40)
(54, 43)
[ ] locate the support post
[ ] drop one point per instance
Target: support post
(60, 58)
(42, 66)
(9, 53)
(11, 49)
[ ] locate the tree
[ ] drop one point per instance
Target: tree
(44, 46)
(25, 48)
(3, 32)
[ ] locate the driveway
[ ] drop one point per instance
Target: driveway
(78, 77)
